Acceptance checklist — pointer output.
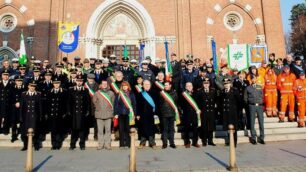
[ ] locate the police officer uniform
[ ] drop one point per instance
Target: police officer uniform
(15, 117)
(57, 110)
(206, 99)
(31, 110)
(79, 107)
(5, 99)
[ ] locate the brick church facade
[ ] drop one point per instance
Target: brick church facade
(106, 25)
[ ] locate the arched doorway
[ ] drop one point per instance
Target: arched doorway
(7, 53)
(118, 23)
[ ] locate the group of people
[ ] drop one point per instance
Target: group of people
(70, 98)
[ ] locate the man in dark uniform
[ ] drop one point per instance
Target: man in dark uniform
(146, 72)
(253, 97)
(127, 71)
(241, 83)
(151, 66)
(30, 110)
(198, 83)
(99, 73)
(211, 75)
(14, 71)
(92, 62)
(176, 72)
(77, 60)
(72, 80)
(79, 108)
(23, 73)
(113, 62)
(6, 87)
(229, 101)
(37, 75)
(206, 99)
(60, 75)
(57, 110)
(18, 89)
(189, 74)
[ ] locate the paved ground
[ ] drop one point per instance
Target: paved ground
(278, 156)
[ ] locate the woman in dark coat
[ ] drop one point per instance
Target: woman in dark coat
(122, 112)
(206, 99)
(146, 111)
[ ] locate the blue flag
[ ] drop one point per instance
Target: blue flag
(214, 55)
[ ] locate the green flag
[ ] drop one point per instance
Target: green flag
(125, 52)
(22, 51)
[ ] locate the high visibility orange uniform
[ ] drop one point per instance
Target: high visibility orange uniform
(270, 91)
(262, 71)
(260, 80)
(285, 85)
(299, 89)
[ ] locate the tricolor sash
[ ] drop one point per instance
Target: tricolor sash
(160, 85)
(115, 87)
(112, 78)
(148, 99)
(127, 103)
(194, 105)
(106, 97)
(171, 102)
(138, 88)
(91, 91)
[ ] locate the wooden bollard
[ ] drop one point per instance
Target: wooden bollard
(132, 164)
(232, 157)
(29, 160)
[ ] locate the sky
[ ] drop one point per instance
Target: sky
(286, 6)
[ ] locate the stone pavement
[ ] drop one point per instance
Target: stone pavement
(275, 156)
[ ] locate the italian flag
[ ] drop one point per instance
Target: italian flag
(22, 51)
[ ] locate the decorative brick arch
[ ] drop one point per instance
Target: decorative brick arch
(133, 9)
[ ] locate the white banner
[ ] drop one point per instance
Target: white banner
(238, 56)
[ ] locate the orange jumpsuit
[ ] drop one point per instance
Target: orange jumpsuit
(270, 91)
(285, 85)
(262, 71)
(299, 89)
(260, 80)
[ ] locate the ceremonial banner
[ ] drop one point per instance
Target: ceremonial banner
(168, 67)
(214, 54)
(238, 56)
(68, 36)
(22, 51)
(258, 54)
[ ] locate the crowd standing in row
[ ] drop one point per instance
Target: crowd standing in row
(70, 98)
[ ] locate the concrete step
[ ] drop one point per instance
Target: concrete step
(178, 142)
